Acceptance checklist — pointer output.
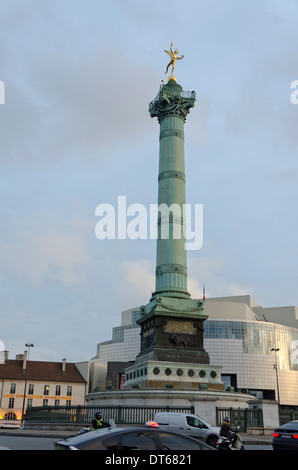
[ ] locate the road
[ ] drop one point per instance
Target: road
(47, 443)
(27, 443)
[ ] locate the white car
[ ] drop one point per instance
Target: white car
(188, 424)
(9, 425)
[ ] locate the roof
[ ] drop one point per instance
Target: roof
(40, 371)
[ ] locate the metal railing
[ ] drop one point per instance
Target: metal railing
(183, 94)
(286, 416)
(85, 414)
(188, 94)
(244, 418)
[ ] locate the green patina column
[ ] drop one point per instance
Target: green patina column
(171, 107)
(172, 350)
(172, 322)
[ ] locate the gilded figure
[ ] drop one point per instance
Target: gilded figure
(174, 57)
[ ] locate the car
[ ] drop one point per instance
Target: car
(149, 437)
(286, 437)
(188, 425)
(9, 425)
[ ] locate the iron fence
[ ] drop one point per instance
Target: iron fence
(286, 416)
(85, 414)
(244, 418)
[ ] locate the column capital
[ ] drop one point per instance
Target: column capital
(172, 100)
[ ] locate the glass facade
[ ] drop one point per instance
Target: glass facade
(246, 352)
(257, 338)
(125, 344)
(242, 348)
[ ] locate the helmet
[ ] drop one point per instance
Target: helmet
(226, 419)
(98, 415)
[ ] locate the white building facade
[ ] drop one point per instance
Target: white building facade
(256, 347)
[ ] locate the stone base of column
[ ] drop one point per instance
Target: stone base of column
(172, 330)
(182, 376)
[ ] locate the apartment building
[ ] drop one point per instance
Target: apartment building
(26, 383)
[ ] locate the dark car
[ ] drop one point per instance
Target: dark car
(148, 437)
(286, 436)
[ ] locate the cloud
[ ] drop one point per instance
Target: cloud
(215, 272)
(78, 79)
(36, 253)
(135, 279)
(68, 107)
(195, 288)
(69, 93)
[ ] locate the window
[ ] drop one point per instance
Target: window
(12, 388)
(58, 390)
(30, 389)
(45, 402)
(68, 402)
(173, 442)
(46, 390)
(10, 416)
(195, 422)
(229, 380)
(29, 402)
(11, 403)
(69, 390)
(138, 441)
(112, 443)
(57, 402)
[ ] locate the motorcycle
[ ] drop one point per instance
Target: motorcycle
(83, 430)
(88, 429)
(224, 443)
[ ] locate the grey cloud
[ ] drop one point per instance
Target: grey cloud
(43, 245)
(75, 107)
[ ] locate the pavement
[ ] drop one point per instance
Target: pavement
(261, 439)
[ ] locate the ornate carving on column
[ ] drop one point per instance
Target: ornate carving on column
(171, 268)
(172, 101)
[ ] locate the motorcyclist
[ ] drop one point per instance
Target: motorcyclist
(227, 431)
(98, 423)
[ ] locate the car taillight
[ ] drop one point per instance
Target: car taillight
(275, 434)
(295, 436)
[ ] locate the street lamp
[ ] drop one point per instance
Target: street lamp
(28, 345)
(275, 367)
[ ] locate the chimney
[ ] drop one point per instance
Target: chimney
(3, 356)
(24, 362)
(63, 366)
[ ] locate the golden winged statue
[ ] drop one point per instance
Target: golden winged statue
(174, 57)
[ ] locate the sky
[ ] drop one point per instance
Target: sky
(75, 132)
